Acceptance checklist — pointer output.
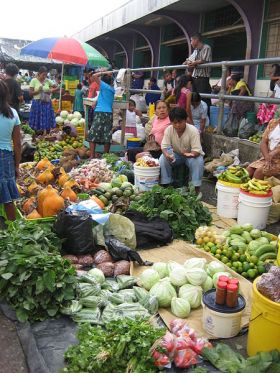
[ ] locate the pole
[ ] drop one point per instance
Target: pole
(60, 89)
(222, 100)
(123, 111)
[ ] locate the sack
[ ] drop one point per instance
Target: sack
(246, 129)
(119, 251)
(150, 232)
(231, 125)
(274, 213)
(76, 230)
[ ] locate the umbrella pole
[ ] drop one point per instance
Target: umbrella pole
(60, 89)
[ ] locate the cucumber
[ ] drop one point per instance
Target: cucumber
(266, 248)
(262, 240)
(267, 256)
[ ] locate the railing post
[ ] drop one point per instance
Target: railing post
(222, 100)
(123, 111)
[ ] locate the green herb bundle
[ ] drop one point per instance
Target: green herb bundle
(122, 346)
(34, 279)
(181, 208)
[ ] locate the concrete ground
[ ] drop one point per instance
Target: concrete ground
(12, 359)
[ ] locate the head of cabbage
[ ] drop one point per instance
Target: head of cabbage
(98, 275)
(193, 294)
(161, 269)
(208, 284)
(149, 278)
(195, 263)
(214, 267)
(178, 276)
(172, 266)
(196, 276)
(164, 292)
(180, 307)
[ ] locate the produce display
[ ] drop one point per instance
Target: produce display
(27, 129)
(235, 175)
(72, 158)
(255, 186)
(147, 162)
(74, 119)
(257, 138)
(54, 149)
(243, 249)
(35, 280)
(269, 284)
(180, 287)
(181, 346)
(121, 346)
(119, 166)
(181, 208)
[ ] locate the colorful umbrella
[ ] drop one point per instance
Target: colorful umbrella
(67, 50)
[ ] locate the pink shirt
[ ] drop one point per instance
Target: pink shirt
(158, 128)
(182, 102)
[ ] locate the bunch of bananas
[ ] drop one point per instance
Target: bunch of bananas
(255, 186)
(235, 174)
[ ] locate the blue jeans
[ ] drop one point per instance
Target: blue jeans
(195, 166)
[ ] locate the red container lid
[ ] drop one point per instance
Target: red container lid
(233, 281)
(222, 285)
(232, 287)
(223, 278)
(269, 194)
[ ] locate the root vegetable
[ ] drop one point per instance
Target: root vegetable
(102, 256)
(122, 268)
(107, 268)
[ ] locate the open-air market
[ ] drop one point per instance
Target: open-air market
(140, 188)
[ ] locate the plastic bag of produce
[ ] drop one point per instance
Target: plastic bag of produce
(150, 302)
(76, 230)
(72, 308)
(125, 281)
(185, 358)
(86, 289)
(246, 129)
(140, 293)
(231, 125)
(118, 298)
(124, 311)
(269, 284)
(88, 315)
(92, 301)
(111, 285)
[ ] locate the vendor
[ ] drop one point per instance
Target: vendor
(131, 113)
(183, 140)
(269, 164)
(199, 111)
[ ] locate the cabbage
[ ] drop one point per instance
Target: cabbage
(82, 122)
(59, 120)
(191, 293)
(77, 115)
(97, 274)
(126, 184)
(64, 114)
(180, 307)
(208, 284)
(218, 274)
(149, 278)
(172, 265)
(195, 263)
(106, 186)
(255, 233)
(161, 269)
(178, 276)
(74, 122)
(196, 276)
(164, 292)
(214, 267)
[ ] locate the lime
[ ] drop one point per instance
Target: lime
(235, 264)
(244, 274)
(252, 265)
(242, 258)
(254, 259)
(229, 264)
(224, 259)
(206, 248)
(210, 244)
(246, 266)
(252, 273)
(225, 252)
(213, 250)
(219, 251)
(235, 257)
(218, 256)
(239, 270)
(261, 269)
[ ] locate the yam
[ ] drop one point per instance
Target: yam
(122, 267)
(107, 268)
(102, 256)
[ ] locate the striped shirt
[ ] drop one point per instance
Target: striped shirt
(204, 54)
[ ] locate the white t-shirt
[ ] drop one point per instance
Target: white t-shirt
(130, 118)
(277, 91)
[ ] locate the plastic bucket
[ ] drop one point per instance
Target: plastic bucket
(227, 199)
(264, 326)
(214, 114)
(251, 116)
(254, 209)
(221, 321)
(145, 178)
(134, 142)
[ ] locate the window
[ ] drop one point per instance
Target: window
(219, 18)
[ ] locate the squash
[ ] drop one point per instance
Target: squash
(43, 163)
(29, 205)
(98, 201)
(69, 193)
(62, 179)
(48, 191)
(70, 183)
(52, 204)
(45, 177)
(33, 187)
(34, 215)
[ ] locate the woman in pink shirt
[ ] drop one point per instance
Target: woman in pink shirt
(156, 127)
(183, 93)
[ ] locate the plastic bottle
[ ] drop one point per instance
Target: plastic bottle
(151, 110)
(171, 152)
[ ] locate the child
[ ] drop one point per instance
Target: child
(78, 100)
(131, 113)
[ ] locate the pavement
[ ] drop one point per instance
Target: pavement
(12, 358)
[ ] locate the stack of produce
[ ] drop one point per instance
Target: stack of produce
(180, 287)
(54, 149)
(269, 284)
(71, 158)
(181, 208)
(146, 162)
(74, 119)
(27, 129)
(35, 280)
(120, 346)
(235, 175)
(257, 138)
(255, 186)
(119, 166)
(182, 346)
(245, 250)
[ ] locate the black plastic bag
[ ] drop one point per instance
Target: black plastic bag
(76, 230)
(231, 125)
(151, 232)
(119, 251)
(246, 129)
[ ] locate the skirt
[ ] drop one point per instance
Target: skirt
(273, 170)
(101, 130)
(41, 116)
(8, 186)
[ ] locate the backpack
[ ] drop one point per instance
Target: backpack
(150, 232)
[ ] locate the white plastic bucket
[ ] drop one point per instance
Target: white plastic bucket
(227, 199)
(221, 321)
(146, 177)
(254, 209)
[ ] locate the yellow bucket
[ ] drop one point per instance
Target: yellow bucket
(264, 326)
(278, 255)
